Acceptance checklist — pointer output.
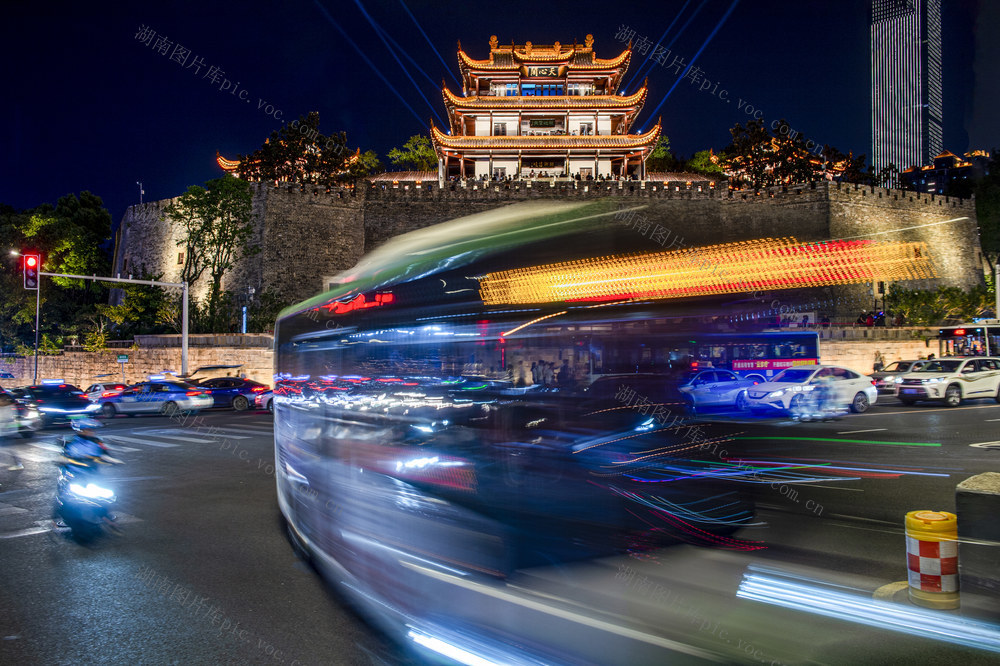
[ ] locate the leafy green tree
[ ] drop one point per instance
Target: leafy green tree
(661, 159)
(139, 310)
(415, 155)
(987, 193)
(926, 307)
(72, 237)
(701, 162)
(300, 153)
(367, 164)
(190, 210)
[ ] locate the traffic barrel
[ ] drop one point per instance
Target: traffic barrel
(932, 558)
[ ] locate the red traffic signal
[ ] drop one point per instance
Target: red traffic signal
(31, 265)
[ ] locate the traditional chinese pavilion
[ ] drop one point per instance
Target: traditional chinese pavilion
(551, 109)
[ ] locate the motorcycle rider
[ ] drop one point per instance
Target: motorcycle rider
(83, 455)
(86, 450)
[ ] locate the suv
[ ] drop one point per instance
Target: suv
(951, 380)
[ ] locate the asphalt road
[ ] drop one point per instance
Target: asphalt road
(204, 574)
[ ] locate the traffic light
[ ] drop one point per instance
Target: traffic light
(31, 267)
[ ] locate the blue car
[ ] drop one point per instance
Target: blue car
(233, 392)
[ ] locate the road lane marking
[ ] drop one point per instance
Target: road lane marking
(842, 441)
(229, 429)
(34, 457)
(851, 432)
(25, 532)
(993, 419)
(46, 446)
(178, 433)
(919, 410)
(986, 445)
(141, 442)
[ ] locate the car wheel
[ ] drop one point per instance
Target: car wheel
(742, 401)
(796, 405)
(689, 407)
(108, 410)
(170, 408)
(953, 396)
(860, 404)
(910, 401)
(997, 397)
(240, 403)
(270, 406)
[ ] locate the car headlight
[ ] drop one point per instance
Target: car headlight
(898, 380)
(775, 394)
(932, 380)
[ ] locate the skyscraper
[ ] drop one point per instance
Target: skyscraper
(906, 82)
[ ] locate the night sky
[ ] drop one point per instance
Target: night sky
(88, 106)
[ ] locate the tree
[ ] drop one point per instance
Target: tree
(71, 237)
(926, 307)
(299, 153)
(987, 193)
(366, 164)
(701, 162)
(190, 210)
(415, 155)
(225, 236)
(661, 159)
(218, 228)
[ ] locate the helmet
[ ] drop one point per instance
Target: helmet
(86, 424)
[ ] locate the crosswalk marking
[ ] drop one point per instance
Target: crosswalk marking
(252, 431)
(7, 509)
(34, 457)
(46, 446)
(141, 442)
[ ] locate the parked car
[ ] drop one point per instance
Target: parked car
(55, 402)
(264, 400)
(715, 388)
(233, 392)
(951, 380)
(156, 396)
(885, 379)
(786, 393)
(95, 391)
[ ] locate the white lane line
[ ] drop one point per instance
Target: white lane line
(851, 432)
(918, 410)
(25, 532)
(122, 449)
(854, 490)
(46, 446)
(141, 442)
(993, 419)
(252, 431)
(34, 457)
(179, 434)
(986, 445)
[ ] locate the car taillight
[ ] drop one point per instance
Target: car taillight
(874, 383)
(258, 389)
(108, 394)
(194, 393)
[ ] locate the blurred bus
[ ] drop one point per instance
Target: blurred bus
(974, 339)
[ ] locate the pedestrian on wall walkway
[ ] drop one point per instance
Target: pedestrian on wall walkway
(879, 361)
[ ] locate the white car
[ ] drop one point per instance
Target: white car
(951, 380)
(264, 400)
(714, 387)
(104, 390)
(789, 391)
(159, 396)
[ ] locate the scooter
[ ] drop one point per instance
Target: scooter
(84, 503)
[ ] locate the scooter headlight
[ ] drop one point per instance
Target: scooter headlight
(91, 490)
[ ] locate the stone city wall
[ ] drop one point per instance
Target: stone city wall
(83, 368)
(306, 233)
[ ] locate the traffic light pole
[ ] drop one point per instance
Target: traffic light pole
(38, 308)
(154, 283)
